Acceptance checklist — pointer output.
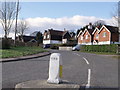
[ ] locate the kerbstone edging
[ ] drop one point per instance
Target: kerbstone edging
(25, 57)
(43, 84)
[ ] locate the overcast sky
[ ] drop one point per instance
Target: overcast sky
(69, 15)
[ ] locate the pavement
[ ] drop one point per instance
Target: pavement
(25, 57)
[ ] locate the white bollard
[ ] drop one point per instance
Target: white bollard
(55, 68)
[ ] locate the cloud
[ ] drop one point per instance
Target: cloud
(70, 23)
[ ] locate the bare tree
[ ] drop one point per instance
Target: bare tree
(119, 19)
(7, 16)
(115, 13)
(22, 27)
(99, 23)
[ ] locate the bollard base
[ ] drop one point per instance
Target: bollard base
(44, 85)
(57, 81)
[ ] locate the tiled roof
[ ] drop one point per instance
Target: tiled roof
(26, 38)
(55, 32)
(112, 29)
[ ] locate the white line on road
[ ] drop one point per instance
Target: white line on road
(89, 72)
(76, 54)
(83, 58)
(86, 60)
(89, 77)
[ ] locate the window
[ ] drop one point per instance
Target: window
(44, 37)
(81, 37)
(86, 36)
(97, 36)
(104, 34)
(48, 36)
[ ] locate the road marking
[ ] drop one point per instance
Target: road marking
(86, 60)
(89, 77)
(83, 58)
(76, 54)
(89, 72)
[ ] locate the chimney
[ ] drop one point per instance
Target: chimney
(65, 29)
(90, 26)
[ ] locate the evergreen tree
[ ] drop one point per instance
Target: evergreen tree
(39, 38)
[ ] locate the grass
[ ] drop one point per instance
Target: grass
(20, 51)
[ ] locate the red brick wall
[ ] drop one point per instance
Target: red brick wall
(101, 38)
(84, 37)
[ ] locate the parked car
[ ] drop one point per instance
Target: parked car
(46, 46)
(76, 48)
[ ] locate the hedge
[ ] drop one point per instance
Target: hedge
(112, 48)
(5, 44)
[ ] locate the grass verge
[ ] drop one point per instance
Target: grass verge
(20, 51)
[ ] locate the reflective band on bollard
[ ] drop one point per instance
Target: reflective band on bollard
(60, 72)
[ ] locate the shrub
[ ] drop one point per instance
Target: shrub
(30, 44)
(18, 43)
(5, 44)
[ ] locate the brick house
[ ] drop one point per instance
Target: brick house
(108, 35)
(96, 36)
(101, 35)
(80, 37)
(86, 37)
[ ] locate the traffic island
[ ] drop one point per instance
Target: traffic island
(43, 84)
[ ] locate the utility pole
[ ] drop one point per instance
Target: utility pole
(16, 22)
(119, 19)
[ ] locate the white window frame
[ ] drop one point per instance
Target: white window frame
(97, 36)
(104, 34)
(81, 37)
(48, 36)
(44, 37)
(86, 36)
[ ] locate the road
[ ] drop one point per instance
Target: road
(87, 70)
